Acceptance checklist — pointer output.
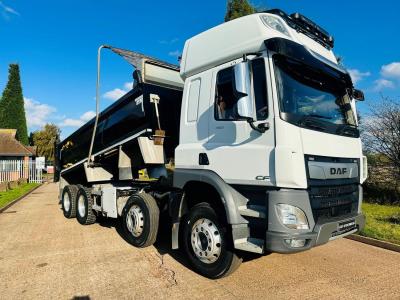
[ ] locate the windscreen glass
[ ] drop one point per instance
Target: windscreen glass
(307, 92)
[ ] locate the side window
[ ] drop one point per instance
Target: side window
(260, 88)
(225, 100)
(193, 101)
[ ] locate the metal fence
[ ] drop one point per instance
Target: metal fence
(12, 170)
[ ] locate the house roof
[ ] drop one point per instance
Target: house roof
(9, 146)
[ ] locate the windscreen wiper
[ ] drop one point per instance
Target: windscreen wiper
(319, 116)
(308, 121)
(348, 130)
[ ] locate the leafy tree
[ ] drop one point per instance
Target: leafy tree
(381, 138)
(45, 139)
(382, 131)
(238, 8)
(12, 112)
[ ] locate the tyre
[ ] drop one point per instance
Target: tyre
(68, 201)
(84, 203)
(207, 243)
(140, 218)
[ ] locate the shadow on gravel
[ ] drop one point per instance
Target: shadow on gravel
(163, 242)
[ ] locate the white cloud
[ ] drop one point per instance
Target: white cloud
(7, 10)
(382, 83)
(128, 86)
(117, 93)
(114, 94)
(357, 75)
(391, 70)
(175, 53)
(88, 115)
(169, 42)
(69, 122)
(37, 114)
(390, 77)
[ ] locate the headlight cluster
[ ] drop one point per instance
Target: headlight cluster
(292, 217)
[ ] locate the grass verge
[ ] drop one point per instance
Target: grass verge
(11, 195)
(383, 222)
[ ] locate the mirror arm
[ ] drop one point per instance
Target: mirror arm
(261, 128)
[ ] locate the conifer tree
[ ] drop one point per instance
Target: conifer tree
(12, 111)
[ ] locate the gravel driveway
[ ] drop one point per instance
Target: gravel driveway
(43, 255)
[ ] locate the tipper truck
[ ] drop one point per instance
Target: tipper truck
(250, 144)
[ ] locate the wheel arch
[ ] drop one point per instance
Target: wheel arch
(192, 181)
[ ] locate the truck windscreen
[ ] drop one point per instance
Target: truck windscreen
(305, 92)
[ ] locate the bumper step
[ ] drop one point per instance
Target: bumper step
(255, 211)
(250, 245)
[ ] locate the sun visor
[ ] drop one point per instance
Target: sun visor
(298, 52)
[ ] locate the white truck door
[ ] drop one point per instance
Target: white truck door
(236, 152)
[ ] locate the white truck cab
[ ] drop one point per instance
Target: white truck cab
(267, 109)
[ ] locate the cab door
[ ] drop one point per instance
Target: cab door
(236, 152)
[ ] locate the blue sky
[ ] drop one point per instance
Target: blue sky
(55, 43)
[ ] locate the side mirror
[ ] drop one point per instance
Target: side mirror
(242, 90)
(358, 95)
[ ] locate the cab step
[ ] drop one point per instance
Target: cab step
(255, 211)
(250, 245)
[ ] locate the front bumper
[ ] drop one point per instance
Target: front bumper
(322, 233)
(321, 230)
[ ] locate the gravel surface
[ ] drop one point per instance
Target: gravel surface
(43, 255)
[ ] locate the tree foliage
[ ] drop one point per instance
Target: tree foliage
(381, 138)
(382, 131)
(45, 139)
(12, 112)
(238, 8)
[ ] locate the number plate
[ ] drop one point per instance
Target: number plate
(347, 225)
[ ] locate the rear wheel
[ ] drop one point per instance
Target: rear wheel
(85, 214)
(207, 243)
(140, 218)
(68, 201)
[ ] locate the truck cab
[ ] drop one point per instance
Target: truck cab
(269, 113)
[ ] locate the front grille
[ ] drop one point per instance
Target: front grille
(332, 191)
(333, 201)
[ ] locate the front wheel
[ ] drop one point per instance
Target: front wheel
(207, 243)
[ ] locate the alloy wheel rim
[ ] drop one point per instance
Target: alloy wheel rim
(81, 206)
(135, 220)
(205, 239)
(67, 202)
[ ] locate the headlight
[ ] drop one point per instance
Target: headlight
(292, 217)
(274, 23)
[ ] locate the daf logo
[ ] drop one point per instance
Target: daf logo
(338, 171)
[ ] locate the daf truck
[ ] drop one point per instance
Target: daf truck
(251, 144)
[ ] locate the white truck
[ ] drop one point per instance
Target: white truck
(251, 144)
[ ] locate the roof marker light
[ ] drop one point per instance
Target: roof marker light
(274, 23)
